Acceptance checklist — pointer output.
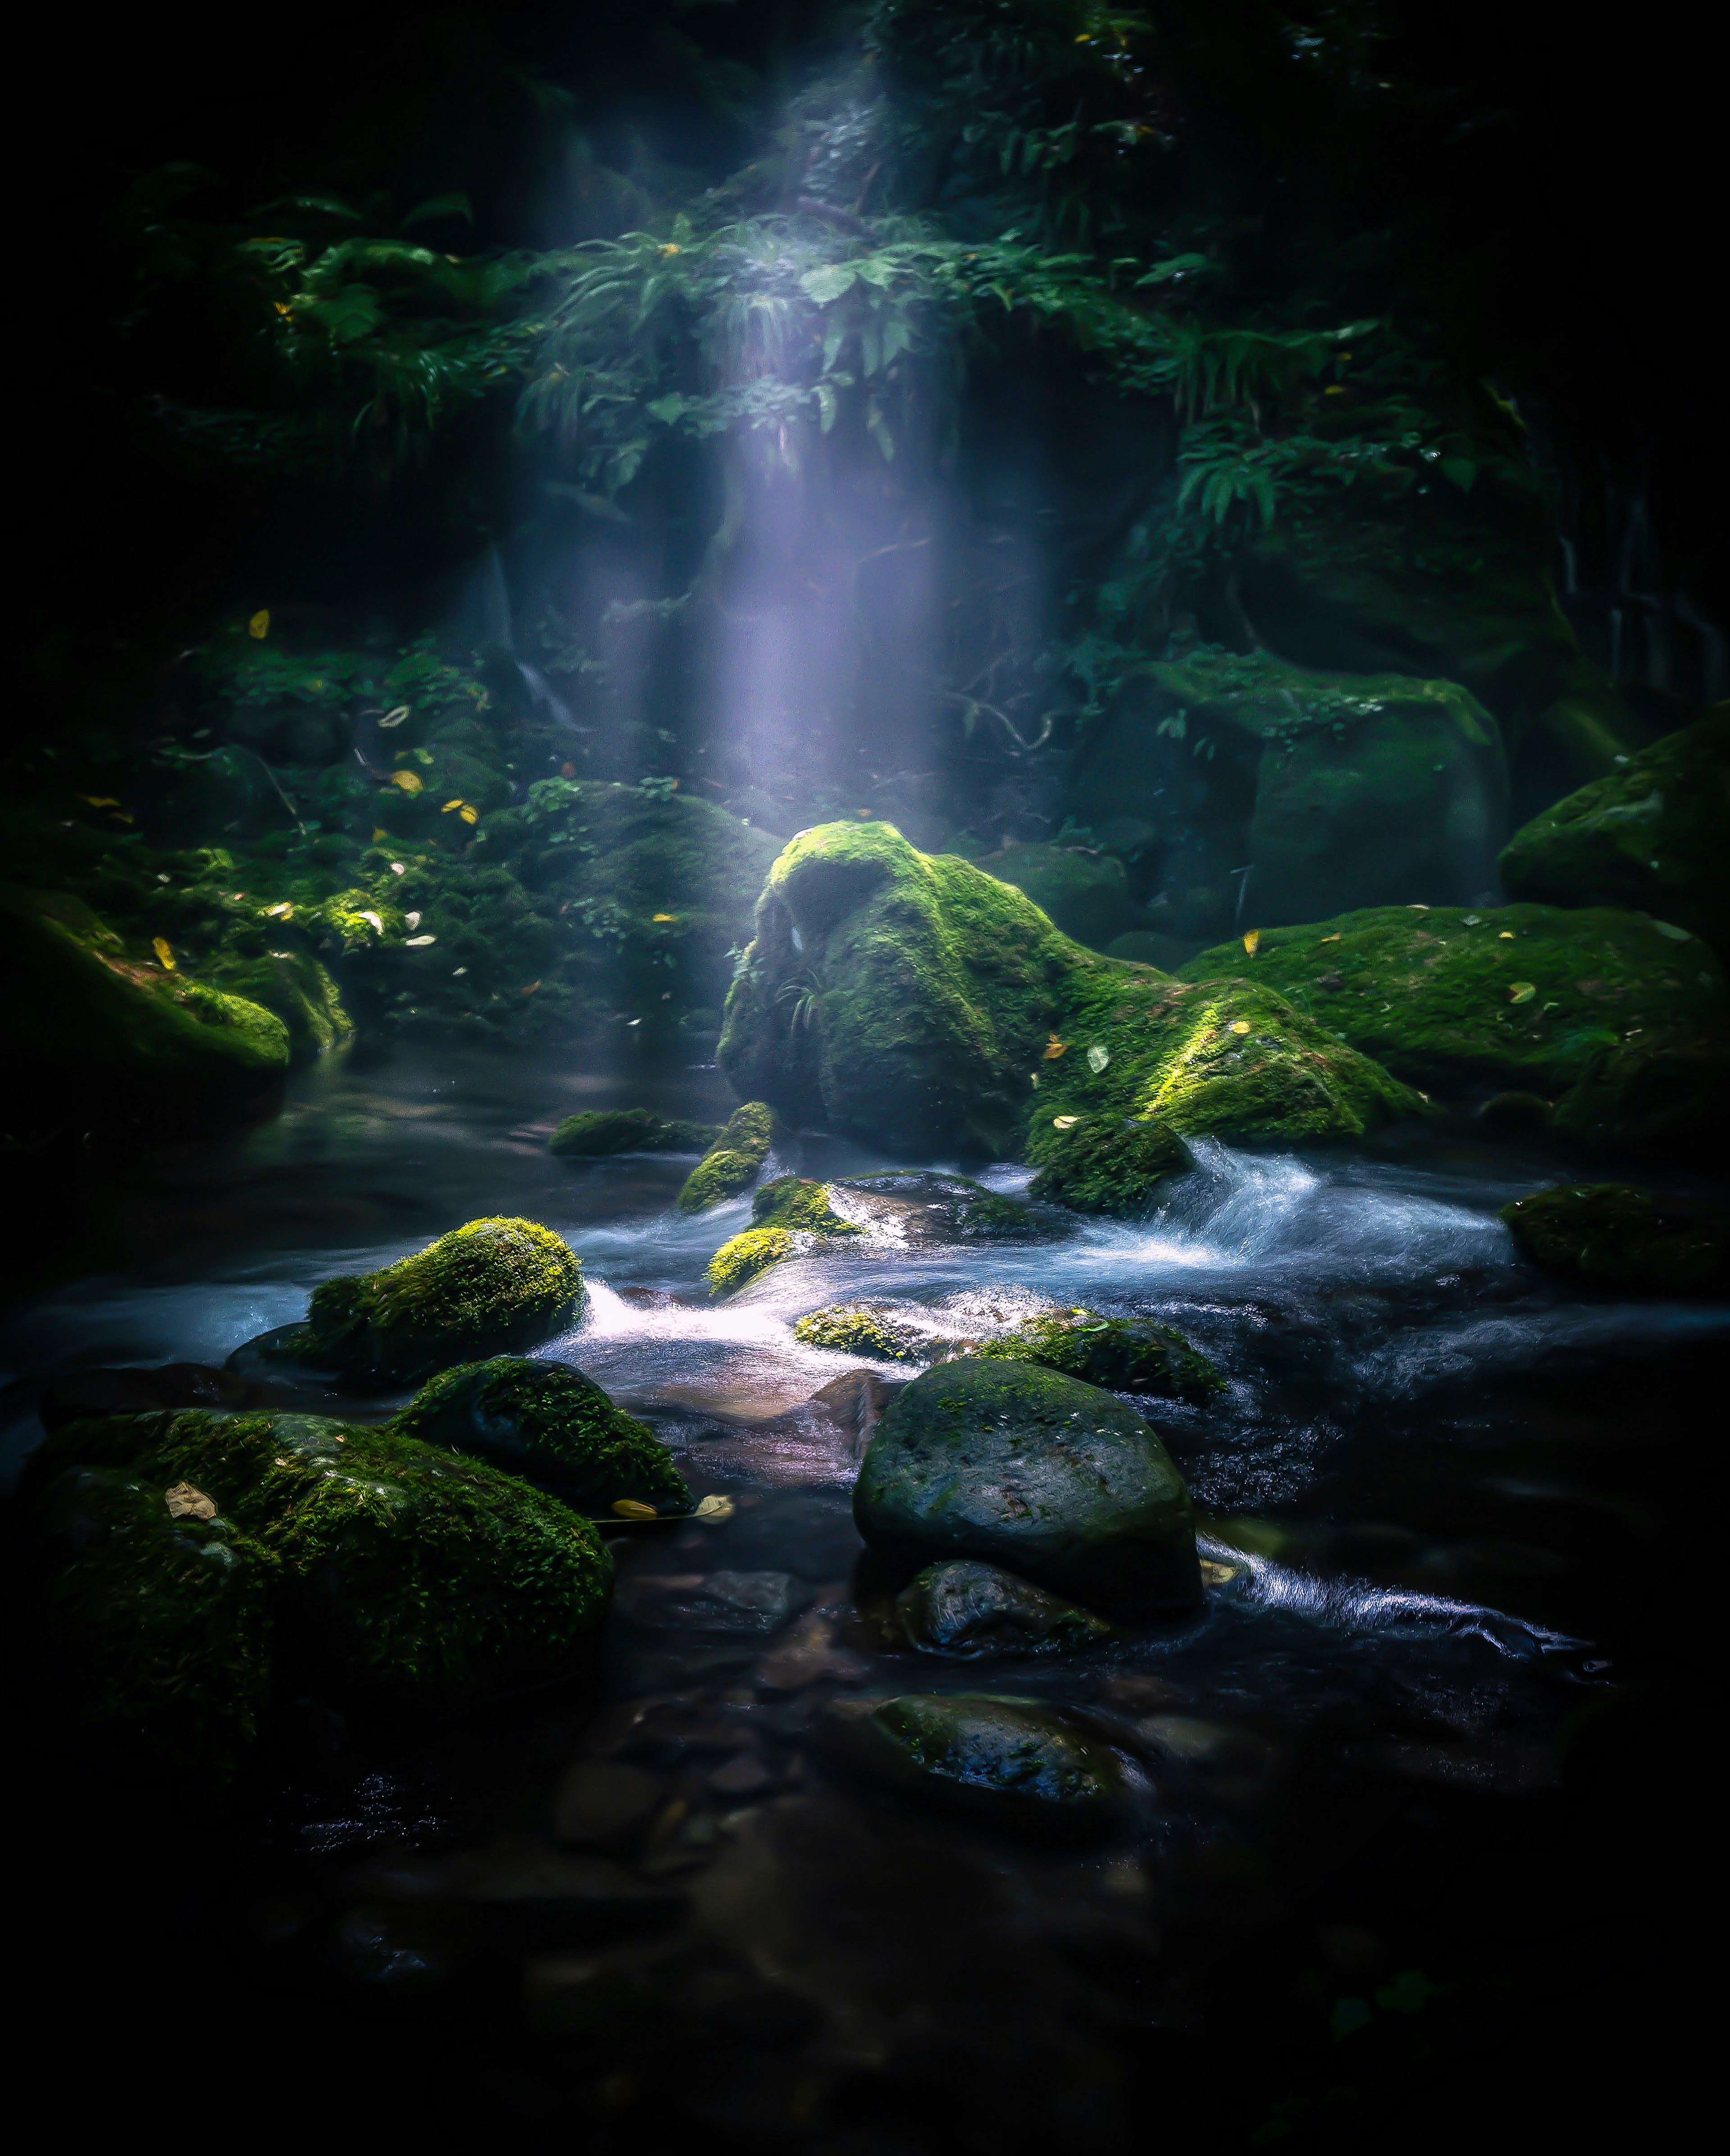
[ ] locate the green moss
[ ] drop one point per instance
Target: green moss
(1123, 1355)
(549, 1422)
(299, 990)
(733, 1162)
(1108, 1164)
(1085, 895)
(1649, 836)
(741, 1259)
(954, 1012)
(1625, 1028)
(862, 1328)
(792, 1201)
(602, 1131)
(1607, 1234)
(409, 1583)
(493, 1285)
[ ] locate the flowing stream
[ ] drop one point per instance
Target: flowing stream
(1429, 1567)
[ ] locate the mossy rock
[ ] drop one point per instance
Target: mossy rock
(1122, 1354)
(491, 1287)
(953, 1013)
(549, 1422)
(299, 990)
(1607, 1234)
(1025, 1467)
(1649, 836)
(1623, 1025)
(794, 1201)
(742, 1257)
(1013, 1763)
(149, 1636)
(962, 1607)
(790, 1215)
(1085, 895)
(1112, 1165)
(862, 1328)
(933, 1205)
(733, 1162)
(600, 1132)
(406, 1583)
(113, 1036)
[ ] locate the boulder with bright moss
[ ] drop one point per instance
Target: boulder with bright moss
(1084, 893)
(1605, 1234)
(1025, 1467)
(951, 1012)
(1622, 1023)
(1649, 836)
(1113, 1164)
(1015, 1764)
(1123, 1354)
(492, 1287)
(549, 1422)
(790, 1215)
(299, 990)
(116, 1034)
(600, 1132)
(863, 1328)
(734, 1161)
(962, 1607)
(407, 1583)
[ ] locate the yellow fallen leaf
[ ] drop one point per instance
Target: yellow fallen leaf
(714, 1510)
(1506, 936)
(259, 625)
(100, 800)
(283, 909)
(1334, 938)
(531, 988)
(1065, 1122)
(663, 916)
(408, 781)
(1252, 942)
(468, 814)
(1521, 992)
(628, 1508)
(1240, 1025)
(450, 805)
(381, 837)
(1216, 1575)
(164, 951)
(186, 1503)
(1054, 1048)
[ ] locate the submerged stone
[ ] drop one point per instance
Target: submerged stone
(600, 1132)
(1025, 1467)
(931, 1205)
(734, 1161)
(1604, 1232)
(962, 1607)
(549, 1422)
(1122, 1354)
(1015, 1764)
(485, 1289)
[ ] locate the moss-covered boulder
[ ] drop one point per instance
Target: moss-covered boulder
(489, 1288)
(1606, 1235)
(1622, 1023)
(394, 1581)
(1015, 1764)
(1082, 891)
(1366, 787)
(149, 1631)
(863, 1328)
(1650, 835)
(788, 1215)
(1113, 1164)
(600, 1132)
(298, 987)
(1122, 1354)
(1026, 1468)
(547, 1422)
(962, 1607)
(733, 1162)
(916, 1001)
(108, 1033)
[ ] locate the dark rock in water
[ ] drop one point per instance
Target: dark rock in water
(600, 1132)
(1025, 1467)
(926, 1205)
(600, 1804)
(1013, 1763)
(962, 1607)
(739, 1604)
(1122, 1354)
(397, 1582)
(1620, 1238)
(1515, 1112)
(547, 1421)
(492, 1287)
(81, 1395)
(733, 1162)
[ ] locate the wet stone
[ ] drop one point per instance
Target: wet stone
(736, 1603)
(962, 1607)
(924, 1206)
(601, 1804)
